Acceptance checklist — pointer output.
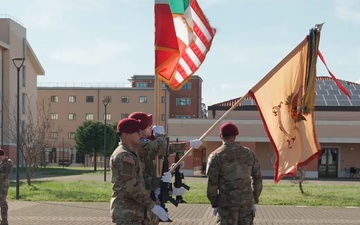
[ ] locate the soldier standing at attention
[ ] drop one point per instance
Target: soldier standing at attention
(130, 201)
(234, 180)
(149, 149)
(5, 170)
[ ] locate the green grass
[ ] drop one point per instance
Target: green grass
(273, 194)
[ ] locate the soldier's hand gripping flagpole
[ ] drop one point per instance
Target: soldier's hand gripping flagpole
(209, 130)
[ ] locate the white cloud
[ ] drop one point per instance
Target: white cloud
(348, 10)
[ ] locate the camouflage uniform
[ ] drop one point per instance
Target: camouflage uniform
(148, 151)
(130, 201)
(5, 171)
(234, 183)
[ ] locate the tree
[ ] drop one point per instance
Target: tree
(117, 138)
(34, 136)
(89, 139)
(204, 111)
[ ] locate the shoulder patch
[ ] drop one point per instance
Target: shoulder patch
(129, 159)
(145, 140)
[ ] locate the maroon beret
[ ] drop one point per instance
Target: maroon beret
(229, 129)
(2, 152)
(146, 120)
(128, 125)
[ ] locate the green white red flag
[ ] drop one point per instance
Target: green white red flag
(285, 98)
(183, 36)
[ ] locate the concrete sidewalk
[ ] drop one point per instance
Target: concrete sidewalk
(74, 213)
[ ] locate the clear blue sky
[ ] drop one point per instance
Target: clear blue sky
(111, 40)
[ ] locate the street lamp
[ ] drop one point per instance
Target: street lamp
(18, 62)
(106, 100)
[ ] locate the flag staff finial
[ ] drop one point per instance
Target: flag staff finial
(319, 26)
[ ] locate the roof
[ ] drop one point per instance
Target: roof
(328, 97)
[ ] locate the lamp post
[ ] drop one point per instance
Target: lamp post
(106, 100)
(18, 62)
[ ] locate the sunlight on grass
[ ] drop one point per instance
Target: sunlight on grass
(273, 194)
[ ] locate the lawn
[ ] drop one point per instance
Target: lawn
(285, 193)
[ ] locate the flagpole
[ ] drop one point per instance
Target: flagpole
(209, 130)
(157, 112)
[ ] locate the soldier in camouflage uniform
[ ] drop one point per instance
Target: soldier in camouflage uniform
(130, 200)
(5, 170)
(234, 180)
(150, 147)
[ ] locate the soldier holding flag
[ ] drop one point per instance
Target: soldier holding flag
(149, 149)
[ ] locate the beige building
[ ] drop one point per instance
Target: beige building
(71, 106)
(13, 43)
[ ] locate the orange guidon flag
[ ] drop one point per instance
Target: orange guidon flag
(285, 98)
(183, 36)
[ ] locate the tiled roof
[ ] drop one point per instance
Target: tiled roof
(327, 94)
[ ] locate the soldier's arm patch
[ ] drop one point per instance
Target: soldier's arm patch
(128, 159)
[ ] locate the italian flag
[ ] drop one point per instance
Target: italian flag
(183, 36)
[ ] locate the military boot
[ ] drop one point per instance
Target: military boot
(4, 222)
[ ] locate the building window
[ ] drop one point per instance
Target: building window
(89, 98)
(108, 116)
(162, 117)
(72, 116)
(141, 84)
(125, 99)
(72, 98)
(89, 116)
(163, 85)
(186, 86)
(162, 99)
(183, 101)
(54, 135)
(143, 99)
(183, 117)
(124, 115)
(54, 116)
(71, 135)
(23, 103)
(54, 98)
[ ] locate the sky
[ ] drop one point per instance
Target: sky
(108, 41)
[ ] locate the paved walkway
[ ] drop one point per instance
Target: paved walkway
(57, 213)
(77, 213)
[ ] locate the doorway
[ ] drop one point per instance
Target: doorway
(328, 163)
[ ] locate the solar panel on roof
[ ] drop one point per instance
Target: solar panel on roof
(344, 103)
(343, 82)
(356, 87)
(349, 87)
(355, 92)
(319, 82)
(329, 97)
(321, 92)
(325, 87)
(355, 97)
(332, 103)
(355, 103)
(342, 97)
(329, 82)
(246, 102)
(320, 103)
(334, 92)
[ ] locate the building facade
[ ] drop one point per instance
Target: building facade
(13, 43)
(73, 105)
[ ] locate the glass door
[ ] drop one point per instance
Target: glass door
(328, 162)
